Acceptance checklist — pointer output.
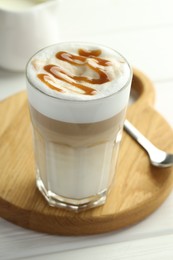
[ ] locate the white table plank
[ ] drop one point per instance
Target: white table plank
(156, 248)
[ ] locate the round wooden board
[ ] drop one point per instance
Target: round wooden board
(138, 190)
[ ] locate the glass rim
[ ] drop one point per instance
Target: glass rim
(80, 100)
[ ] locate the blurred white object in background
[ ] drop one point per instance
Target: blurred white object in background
(25, 27)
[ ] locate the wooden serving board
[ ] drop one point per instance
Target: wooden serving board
(138, 190)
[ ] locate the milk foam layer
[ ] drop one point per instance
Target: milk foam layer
(73, 104)
(118, 71)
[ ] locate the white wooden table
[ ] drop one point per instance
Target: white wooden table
(143, 32)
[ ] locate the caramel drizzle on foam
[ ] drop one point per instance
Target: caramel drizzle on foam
(85, 58)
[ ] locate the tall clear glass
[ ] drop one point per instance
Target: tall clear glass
(76, 145)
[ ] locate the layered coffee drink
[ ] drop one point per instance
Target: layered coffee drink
(78, 94)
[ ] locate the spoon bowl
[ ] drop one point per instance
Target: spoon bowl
(158, 158)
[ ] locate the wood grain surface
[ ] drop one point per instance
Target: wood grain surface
(139, 188)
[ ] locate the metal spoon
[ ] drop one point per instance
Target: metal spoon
(157, 157)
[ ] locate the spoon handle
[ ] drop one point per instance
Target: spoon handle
(142, 140)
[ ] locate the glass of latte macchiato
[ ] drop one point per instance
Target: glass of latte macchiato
(78, 94)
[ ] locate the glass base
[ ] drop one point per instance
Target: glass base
(78, 205)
